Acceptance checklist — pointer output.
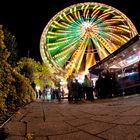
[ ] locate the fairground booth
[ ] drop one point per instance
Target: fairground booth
(125, 64)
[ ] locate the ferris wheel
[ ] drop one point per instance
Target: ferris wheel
(83, 34)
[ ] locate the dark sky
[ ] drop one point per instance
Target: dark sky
(27, 19)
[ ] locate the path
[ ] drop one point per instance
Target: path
(109, 119)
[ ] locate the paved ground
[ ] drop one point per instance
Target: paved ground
(109, 119)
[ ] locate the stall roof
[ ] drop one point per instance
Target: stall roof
(126, 55)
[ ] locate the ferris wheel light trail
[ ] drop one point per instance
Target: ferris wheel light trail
(83, 34)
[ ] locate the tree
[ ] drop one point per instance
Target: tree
(26, 67)
(43, 75)
(35, 71)
(11, 45)
(15, 89)
(5, 73)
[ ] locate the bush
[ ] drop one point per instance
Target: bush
(15, 89)
(5, 74)
(24, 91)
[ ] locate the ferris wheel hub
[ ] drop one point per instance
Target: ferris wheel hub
(87, 25)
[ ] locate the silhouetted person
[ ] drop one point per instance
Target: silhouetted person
(88, 88)
(107, 85)
(69, 86)
(75, 90)
(99, 86)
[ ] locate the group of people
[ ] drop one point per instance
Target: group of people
(78, 91)
(49, 93)
(107, 86)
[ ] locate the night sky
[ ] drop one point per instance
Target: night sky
(27, 19)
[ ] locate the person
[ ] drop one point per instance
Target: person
(107, 88)
(99, 87)
(33, 85)
(80, 91)
(75, 88)
(36, 94)
(62, 91)
(34, 88)
(88, 88)
(69, 86)
(57, 93)
(40, 94)
(44, 94)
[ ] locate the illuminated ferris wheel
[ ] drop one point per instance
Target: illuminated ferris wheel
(83, 34)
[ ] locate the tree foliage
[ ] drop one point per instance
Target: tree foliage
(35, 71)
(15, 89)
(11, 45)
(43, 75)
(15, 82)
(5, 73)
(24, 91)
(26, 67)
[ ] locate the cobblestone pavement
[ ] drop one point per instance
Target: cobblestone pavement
(106, 119)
